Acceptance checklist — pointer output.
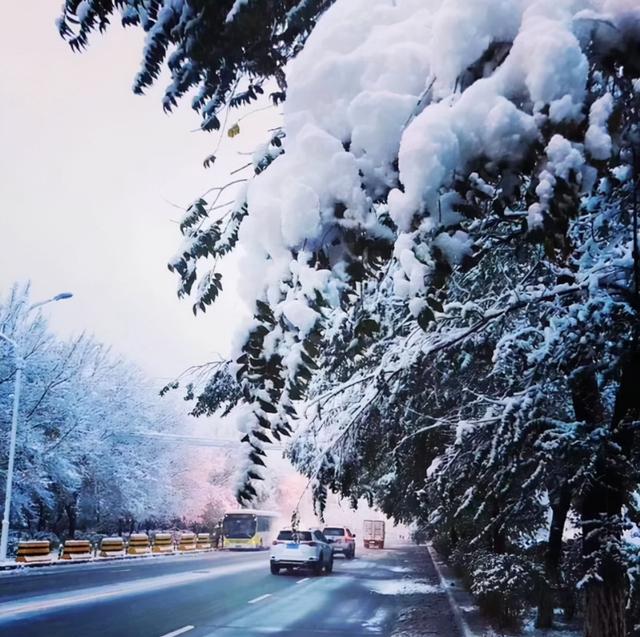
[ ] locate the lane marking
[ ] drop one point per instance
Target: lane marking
(259, 599)
(304, 579)
(180, 631)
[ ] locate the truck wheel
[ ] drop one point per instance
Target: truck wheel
(275, 569)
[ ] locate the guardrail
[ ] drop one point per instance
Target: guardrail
(112, 547)
(39, 552)
(34, 552)
(163, 543)
(203, 542)
(187, 542)
(77, 550)
(139, 544)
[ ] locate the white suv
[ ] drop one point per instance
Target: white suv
(301, 549)
(342, 540)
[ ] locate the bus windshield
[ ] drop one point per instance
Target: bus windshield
(239, 525)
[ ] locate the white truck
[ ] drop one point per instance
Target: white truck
(373, 534)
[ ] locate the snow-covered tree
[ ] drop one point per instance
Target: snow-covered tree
(440, 247)
(82, 458)
(223, 50)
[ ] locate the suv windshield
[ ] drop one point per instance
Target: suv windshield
(290, 536)
(334, 530)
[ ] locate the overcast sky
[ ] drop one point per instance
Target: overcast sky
(87, 174)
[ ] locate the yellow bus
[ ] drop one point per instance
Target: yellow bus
(249, 528)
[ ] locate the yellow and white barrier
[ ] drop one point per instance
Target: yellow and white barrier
(77, 550)
(203, 542)
(163, 543)
(112, 547)
(187, 542)
(34, 552)
(139, 544)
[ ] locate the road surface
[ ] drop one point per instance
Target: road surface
(221, 594)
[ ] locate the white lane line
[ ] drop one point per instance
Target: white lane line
(180, 631)
(259, 599)
(304, 579)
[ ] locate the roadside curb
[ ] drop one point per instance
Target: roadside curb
(461, 623)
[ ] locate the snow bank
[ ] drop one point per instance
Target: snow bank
(403, 587)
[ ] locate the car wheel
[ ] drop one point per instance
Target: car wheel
(350, 554)
(316, 569)
(275, 569)
(329, 566)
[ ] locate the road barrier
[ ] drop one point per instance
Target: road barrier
(139, 544)
(163, 543)
(112, 547)
(34, 552)
(40, 551)
(187, 542)
(77, 550)
(203, 542)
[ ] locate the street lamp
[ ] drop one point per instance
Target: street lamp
(4, 536)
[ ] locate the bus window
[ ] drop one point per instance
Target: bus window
(240, 526)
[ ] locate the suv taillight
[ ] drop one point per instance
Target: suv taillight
(276, 542)
(310, 543)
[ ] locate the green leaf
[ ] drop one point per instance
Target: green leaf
(260, 436)
(267, 407)
(425, 317)
(367, 327)
(435, 304)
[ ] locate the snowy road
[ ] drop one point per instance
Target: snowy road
(217, 594)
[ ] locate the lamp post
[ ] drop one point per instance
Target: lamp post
(4, 535)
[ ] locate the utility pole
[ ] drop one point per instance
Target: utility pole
(4, 535)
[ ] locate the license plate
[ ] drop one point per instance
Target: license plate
(291, 545)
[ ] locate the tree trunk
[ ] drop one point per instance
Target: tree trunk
(453, 537)
(605, 604)
(71, 516)
(605, 596)
(560, 509)
(42, 516)
(498, 541)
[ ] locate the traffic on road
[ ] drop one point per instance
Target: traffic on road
(217, 594)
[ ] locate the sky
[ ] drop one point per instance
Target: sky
(90, 175)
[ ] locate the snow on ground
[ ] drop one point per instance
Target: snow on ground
(403, 587)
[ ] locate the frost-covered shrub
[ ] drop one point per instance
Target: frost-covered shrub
(502, 585)
(442, 543)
